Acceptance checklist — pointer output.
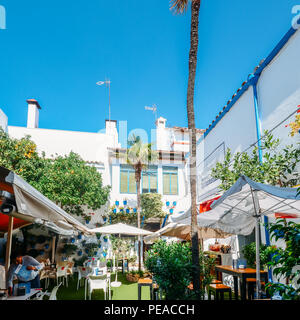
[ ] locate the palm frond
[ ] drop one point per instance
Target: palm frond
(179, 6)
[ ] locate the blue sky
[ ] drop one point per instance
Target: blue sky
(56, 51)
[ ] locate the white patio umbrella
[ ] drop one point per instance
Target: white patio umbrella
(124, 229)
(245, 203)
(183, 231)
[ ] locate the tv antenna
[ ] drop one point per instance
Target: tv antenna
(107, 84)
(153, 109)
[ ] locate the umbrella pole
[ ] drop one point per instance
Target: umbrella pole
(257, 216)
(8, 242)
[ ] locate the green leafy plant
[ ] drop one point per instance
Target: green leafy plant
(285, 261)
(249, 252)
(80, 261)
(171, 266)
(151, 205)
(66, 180)
(69, 249)
(277, 167)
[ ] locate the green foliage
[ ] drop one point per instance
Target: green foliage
(151, 205)
(80, 261)
(121, 247)
(20, 156)
(91, 247)
(67, 180)
(122, 216)
(273, 170)
(285, 261)
(71, 183)
(171, 266)
(249, 252)
(69, 249)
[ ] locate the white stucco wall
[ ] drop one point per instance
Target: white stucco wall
(3, 121)
(236, 130)
(279, 90)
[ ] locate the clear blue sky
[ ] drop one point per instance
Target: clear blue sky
(56, 51)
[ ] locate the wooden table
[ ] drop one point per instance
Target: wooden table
(242, 275)
(144, 283)
(26, 296)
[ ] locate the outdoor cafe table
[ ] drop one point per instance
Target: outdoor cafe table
(241, 274)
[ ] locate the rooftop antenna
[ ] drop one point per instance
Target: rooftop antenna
(153, 109)
(107, 84)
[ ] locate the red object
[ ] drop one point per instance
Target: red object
(206, 205)
(4, 222)
(83, 269)
(62, 268)
(279, 215)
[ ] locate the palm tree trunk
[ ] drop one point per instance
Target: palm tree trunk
(192, 132)
(138, 188)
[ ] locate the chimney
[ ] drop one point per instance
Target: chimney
(161, 123)
(33, 114)
(111, 129)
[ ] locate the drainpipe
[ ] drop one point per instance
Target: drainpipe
(259, 135)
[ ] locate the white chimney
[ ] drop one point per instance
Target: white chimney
(33, 114)
(111, 129)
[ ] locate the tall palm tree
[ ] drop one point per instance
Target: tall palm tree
(139, 155)
(180, 6)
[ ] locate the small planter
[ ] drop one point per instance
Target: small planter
(132, 277)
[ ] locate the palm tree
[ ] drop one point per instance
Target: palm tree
(139, 155)
(180, 6)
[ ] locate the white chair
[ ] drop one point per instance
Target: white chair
(62, 272)
(83, 273)
(99, 282)
(54, 292)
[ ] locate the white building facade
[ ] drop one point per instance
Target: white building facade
(168, 176)
(267, 100)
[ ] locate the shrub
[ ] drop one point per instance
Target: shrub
(171, 266)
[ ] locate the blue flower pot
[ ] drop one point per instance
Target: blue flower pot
(117, 203)
(174, 203)
(47, 246)
(125, 202)
(115, 211)
(127, 210)
(134, 210)
(171, 210)
(104, 254)
(72, 240)
(168, 203)
(87, 221)
(79, 253)
(79, 236)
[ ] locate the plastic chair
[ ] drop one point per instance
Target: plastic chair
(62, 273)
(83, 273)
(53, 292)
(100, 282)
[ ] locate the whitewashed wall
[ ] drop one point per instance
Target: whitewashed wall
(3, 121)
(236, 130)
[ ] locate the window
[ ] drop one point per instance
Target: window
(127, 179)
(170, 180)
(149, 180)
